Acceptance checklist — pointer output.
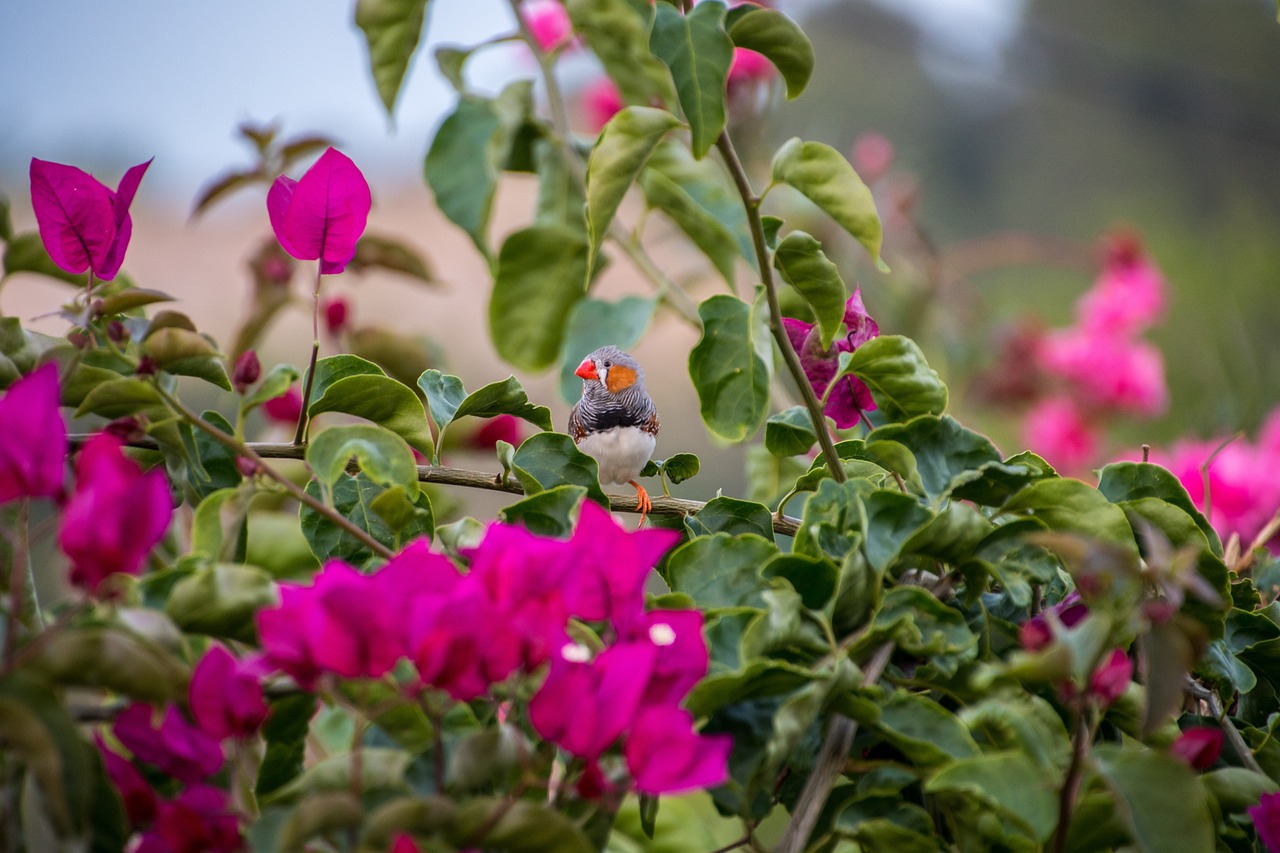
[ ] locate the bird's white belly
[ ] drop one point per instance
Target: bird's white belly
(621, 452)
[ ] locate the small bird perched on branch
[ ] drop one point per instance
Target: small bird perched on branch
(615, 421)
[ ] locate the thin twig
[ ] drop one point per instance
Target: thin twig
(303, 417)
(1071, 782)
(1210, 698)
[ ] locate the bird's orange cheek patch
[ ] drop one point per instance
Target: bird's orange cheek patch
(620, 377)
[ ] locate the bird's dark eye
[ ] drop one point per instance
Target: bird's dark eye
(608, 364)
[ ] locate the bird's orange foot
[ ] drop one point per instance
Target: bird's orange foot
(642, 499)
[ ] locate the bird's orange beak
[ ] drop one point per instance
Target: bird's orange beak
(587, 370)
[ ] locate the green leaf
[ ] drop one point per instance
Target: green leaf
(728, 372)
(381, 769)
(518, 827)
(38, 732)
(700, 225)
(1007, 782)
(208, 533)
(708, 185)
(221, 600)
(353, 497)
(381, 454)
(392, 29)
(116, 398)
(617, 32)
(329, 370)
(802, 264)
(814, 578)
(1074, 507)
(824, 176)
(381, 399)
(285, 733)
(920, 624)
(1125, 481)
(379, 252)
(398, 511)
(620, 152)
(467, 155)
(721, 570)
(26, 253)
(699, 52)
(901, 381)
(561, 195)
(551, 459)
(538, 280)
(277, 381)
(506, 397)
(926, 732)
(778, 38)
(130, 298)
(594, 323)
(733, 516)
(943, 449)
(111, 658)
(546, 513)
(1144, 784)
(681, 467)
(789, 433)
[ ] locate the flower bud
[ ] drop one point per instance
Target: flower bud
(117, 332)
(337, 315)
(78, 339)
(246, 467)
(146, 367)
(247, 371)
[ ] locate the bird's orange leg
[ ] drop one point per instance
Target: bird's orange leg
(642, 498)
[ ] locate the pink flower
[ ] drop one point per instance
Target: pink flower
(682, 658)
(176, 748)
(246, 372)
(404, 843)
(548, 22)
(851, 397)
(285, 409)
(749, 67)
(1107, 371)
(666, 756)
(1037, 632)
(607, 566)
(1199, 746)
(200, 820)
(140, 801)
(872, 155)
(284, 638)
(115, 516)
(1266, 820)
(1111, 679)
(337, 315)
(462, 642)
(501, 428)
(1057, 430)
(1128, 297)
(226, 696)
(323, 215)
(601, 101)
(1243, 491)
(586, 706)
(83, 225)
(33, 438)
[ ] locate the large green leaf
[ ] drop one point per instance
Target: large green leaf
(1145, 785)
(551, 459)
(620, 152)
(449, 400)
(221, 600)
(102, 656)
(709, 187)
(519, 827)
(1007, 782)
(699, 52)
(547, 513)
(594, 323)
(467, 155)
(721, 570)
(901, 381)
(1071, 506)
(778, 38)
(824, 176)
(708, 233)
(617, 31)
(539, 278)
(329, 370)
(800, 260)
(561, 196)
(392, 29)
(353, 497)
(728, 372)
(733, 516)
(1125, 481)
(381, 454)
(926, 732)
(380, 399)
(943, 449)
(789, 432)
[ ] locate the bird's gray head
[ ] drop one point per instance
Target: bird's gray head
(610, 370)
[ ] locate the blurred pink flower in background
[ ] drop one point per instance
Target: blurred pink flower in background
(115, 516)
(337, 315)
(871, 155)
(1107, 371)
(1111, 679)
(33, 438)
(1266, 820)
(1199, 746)
(548, 22)
(601, 101)
(83, 224)
(226, 695)
(500, 428)
(199, 820)
(176, 747)
(1059, 432)
(322, 215)
(666, 756)
(1129, 297)
(749, 66)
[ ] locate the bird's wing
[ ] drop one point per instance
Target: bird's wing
(576, 430)
(651, 426)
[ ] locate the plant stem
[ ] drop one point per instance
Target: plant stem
(1071, 783)
(301, 432)
(752, 204)
(241, 448)
(17, 580)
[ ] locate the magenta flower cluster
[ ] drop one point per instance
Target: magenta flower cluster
(1100, 367)
(851, 397)
(510, 614)
(114, 515)
(1109, 679)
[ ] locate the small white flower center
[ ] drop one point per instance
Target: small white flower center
(662, 634)
(575, 653)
